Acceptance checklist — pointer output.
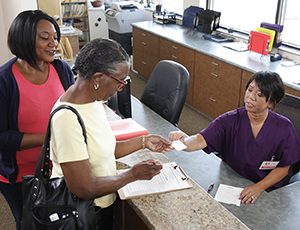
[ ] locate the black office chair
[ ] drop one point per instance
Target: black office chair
(166, 90)
(290, 108)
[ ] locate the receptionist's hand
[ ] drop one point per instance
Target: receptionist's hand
(176, 135)
(250, 194)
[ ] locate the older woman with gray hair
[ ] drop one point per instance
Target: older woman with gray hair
(90, 169)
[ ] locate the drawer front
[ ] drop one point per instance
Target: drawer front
(180, 54)
(143, 38)
(245, 78)
(213, 103)
(216, 85)
(145, 52)
(172, 51)
(144, 64)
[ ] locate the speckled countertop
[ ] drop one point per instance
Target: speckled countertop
(247, 60)
(184, 209)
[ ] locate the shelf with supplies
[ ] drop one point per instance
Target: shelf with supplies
(75, 14)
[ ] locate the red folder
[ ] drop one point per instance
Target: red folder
(126, 129)
(259, 42)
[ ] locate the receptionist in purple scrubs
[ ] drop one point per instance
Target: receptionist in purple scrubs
(256, 142)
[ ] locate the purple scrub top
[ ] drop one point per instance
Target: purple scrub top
(231, 136)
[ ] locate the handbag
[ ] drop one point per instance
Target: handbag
(48, 203)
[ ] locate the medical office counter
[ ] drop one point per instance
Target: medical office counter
(196, 209)
(218, 75)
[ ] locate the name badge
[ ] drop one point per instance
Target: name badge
(267, 165)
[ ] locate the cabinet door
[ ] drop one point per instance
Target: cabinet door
(145, 51)
(216, 85)
(292, 91)
(245, 78)
(185, 56)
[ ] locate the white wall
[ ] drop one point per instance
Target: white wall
(187, 3)
(9, 9)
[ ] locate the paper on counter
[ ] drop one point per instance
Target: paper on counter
(178, 145)
(228, 194)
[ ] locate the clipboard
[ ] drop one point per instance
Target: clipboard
(171, 178)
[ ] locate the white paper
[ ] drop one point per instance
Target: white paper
(178, 145)
(228, 194)
(171, 177)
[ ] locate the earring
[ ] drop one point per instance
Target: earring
(96, 86)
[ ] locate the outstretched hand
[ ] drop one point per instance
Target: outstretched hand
(158, 144)
(176, 135)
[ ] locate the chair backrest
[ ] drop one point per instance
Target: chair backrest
(290, 108)
(166, 90)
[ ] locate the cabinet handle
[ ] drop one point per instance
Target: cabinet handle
(175, 47)
(214, 100)
(145, 35)
(144, 43)
(174, 57)
(214, 63)
(144, 63)
(216, 75)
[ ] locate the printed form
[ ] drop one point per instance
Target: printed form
(171, 178)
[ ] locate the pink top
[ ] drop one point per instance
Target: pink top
(36, 102)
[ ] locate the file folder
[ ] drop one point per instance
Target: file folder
(126, 129)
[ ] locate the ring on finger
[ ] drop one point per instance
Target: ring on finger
(252, 197)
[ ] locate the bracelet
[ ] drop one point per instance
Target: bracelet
(143, 142)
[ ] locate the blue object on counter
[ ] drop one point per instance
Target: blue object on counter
(189, 16)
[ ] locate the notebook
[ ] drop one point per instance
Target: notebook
(126, 129)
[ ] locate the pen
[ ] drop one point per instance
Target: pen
(210, 188)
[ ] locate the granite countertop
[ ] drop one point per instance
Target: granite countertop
(246, 60)
(184, 209)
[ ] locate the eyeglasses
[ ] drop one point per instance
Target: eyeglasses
(121, 84)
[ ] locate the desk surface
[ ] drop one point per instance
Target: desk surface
(194, 208)
(249, 61)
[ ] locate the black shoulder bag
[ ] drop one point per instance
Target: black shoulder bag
(48, 203)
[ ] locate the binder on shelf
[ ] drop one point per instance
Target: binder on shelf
(126, 129)
(171, 178)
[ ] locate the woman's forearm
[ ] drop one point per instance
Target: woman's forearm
(31, 140)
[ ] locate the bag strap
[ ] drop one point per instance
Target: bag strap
(45, 152)
(55, 63)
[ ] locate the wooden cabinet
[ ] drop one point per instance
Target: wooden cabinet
(292, 91)
(216, 85)
(245, 78)
(145, 52)
(185, 56)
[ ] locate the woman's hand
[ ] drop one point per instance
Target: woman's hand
(250, 194)
(158, 144)
(146, 170)
(176, 135)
